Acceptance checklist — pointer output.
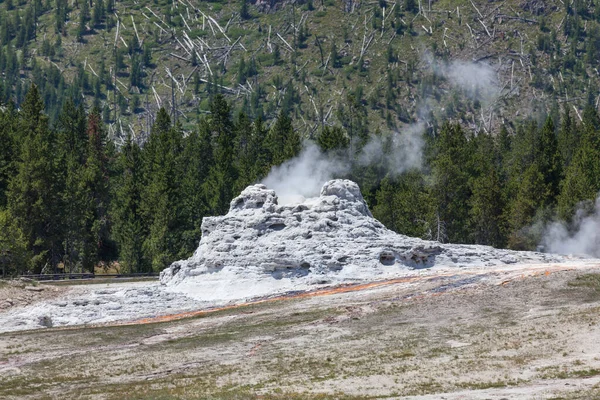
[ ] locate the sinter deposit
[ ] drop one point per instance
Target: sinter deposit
(261, 248)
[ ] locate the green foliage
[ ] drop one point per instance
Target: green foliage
(33, 190)
(332, 139)
(159, 205)
(14, 254)
(128, 227)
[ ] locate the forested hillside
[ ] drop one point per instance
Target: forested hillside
(70, 198)
(146, 116)
(480, 63)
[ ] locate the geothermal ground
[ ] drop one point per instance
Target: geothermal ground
(520, 331)
(312, 300)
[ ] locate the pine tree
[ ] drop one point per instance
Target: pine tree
(223, 173)
(283, 141)
(450, 188)
(71, 154)
(197, 159)
(244, 13)
(264, 158)
(332, 139)
(582, 178)
(32, 200)
(98, 14)
(523, 208)
(126, 214)
(14, 256)
(162, 174)
(568, 138)
(8, 151)
(246, 153)
(486, 205)
(84, 16)
(550, 160)
(404, 204)
(95, 182)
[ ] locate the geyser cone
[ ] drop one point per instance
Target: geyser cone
(261, 248)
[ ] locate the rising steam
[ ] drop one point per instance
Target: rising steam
(584, 239)
(303, 176)
(478, 81)
(398, 152)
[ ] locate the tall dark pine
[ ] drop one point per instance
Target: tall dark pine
(223, 173)
(568, 138)
(33, 196)
(8, 151)
(197, 159)
(127, 224)
(96, 185)
(450, 188)
(332, 139)
(486, 205)
(160, 201)
(246, 153)
(283, 141)
(71, 154)
(550, 160)
(582, 178)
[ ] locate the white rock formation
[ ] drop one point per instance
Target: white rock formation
(261, 248)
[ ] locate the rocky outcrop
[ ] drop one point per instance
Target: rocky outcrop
(329, 239)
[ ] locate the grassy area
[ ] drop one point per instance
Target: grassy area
(591, 281)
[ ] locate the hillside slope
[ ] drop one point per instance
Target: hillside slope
(327, 62)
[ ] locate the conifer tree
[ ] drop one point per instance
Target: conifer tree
(96, 175)
(404, 204)
(161, 157)
(128, 226)
(223, 173)
(245, 151)
(33, 196)
(332, 139)
(197, 159)
(486, 205)
(8, 151)
(98, 14)
(450, 188)
(264, 158)
(71, 151)
(568, 138)
(523, 208)
(84, 16)
(550, 160)
(283, 141)
(582, 180)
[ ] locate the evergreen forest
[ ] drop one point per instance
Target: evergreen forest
(71, 199)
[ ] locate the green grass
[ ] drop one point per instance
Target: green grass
(591, 281)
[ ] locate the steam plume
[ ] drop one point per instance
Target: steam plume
(303, 176)
(584, 240)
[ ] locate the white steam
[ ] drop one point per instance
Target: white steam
(398, 152)
(584, 239)
(303, 176)
(478, 81)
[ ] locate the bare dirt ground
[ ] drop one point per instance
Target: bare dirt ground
(20, 292)
(530, 333)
